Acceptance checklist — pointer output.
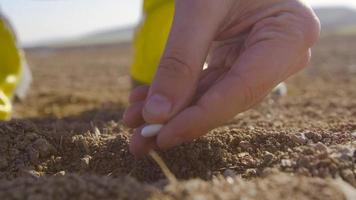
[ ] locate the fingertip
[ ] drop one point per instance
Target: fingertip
(140, 146)
(139, 94)
(157, 109)
(133, 115)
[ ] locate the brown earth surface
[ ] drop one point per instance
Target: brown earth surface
(68, 142)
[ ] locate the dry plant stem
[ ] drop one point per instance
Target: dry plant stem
(170, 176)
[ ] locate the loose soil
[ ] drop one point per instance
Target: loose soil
(68, 142)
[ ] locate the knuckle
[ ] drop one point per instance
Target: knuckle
(249, 92)
(175, 66)
(297, 24)
(307, 25)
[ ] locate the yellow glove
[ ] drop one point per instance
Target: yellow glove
(5, 106)
(150, 39)
(10, 68)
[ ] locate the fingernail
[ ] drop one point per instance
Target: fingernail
(158, 105)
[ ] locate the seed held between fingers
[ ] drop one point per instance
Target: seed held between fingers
(151, 130)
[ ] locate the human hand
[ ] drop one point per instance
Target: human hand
(252, 45)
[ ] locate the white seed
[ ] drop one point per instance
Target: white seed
(280, 90)
(206, 65)
(151, 130)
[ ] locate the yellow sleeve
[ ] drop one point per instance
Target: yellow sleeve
(10, 68)
(150, 39)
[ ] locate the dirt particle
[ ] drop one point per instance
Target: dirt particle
(60, 173)
(353, 134)
(321, 147)
(30, 173)
(81, 143)
(251, 172)
(316, 137)
(229, 173)
(349, 176)
(85, 162)
(345, 153)
(268, 158)
(244, 144)
(286, 163)
(3, 163)
(45, 149)
(299, 138)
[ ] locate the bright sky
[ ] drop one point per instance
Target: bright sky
(41, 20)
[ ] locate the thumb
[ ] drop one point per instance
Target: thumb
(174, 85)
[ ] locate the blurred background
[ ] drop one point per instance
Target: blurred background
(73, 22)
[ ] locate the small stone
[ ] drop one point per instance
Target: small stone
(353, 135)
(243, 154)
(57, 159)
(349, 176)
(268, 158)
(32, 173)
(251, 172)
(280, 90)
(229, 173)
(85, 162)
(313, 136)
(39, 168)
(230, 180)
(345, 150)
(344, 156)
(44, 148)
(345, 153)
(60, 173)
(206, 65)
(321, 147)
(286, 163)
(299, 138)
(244, 144)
